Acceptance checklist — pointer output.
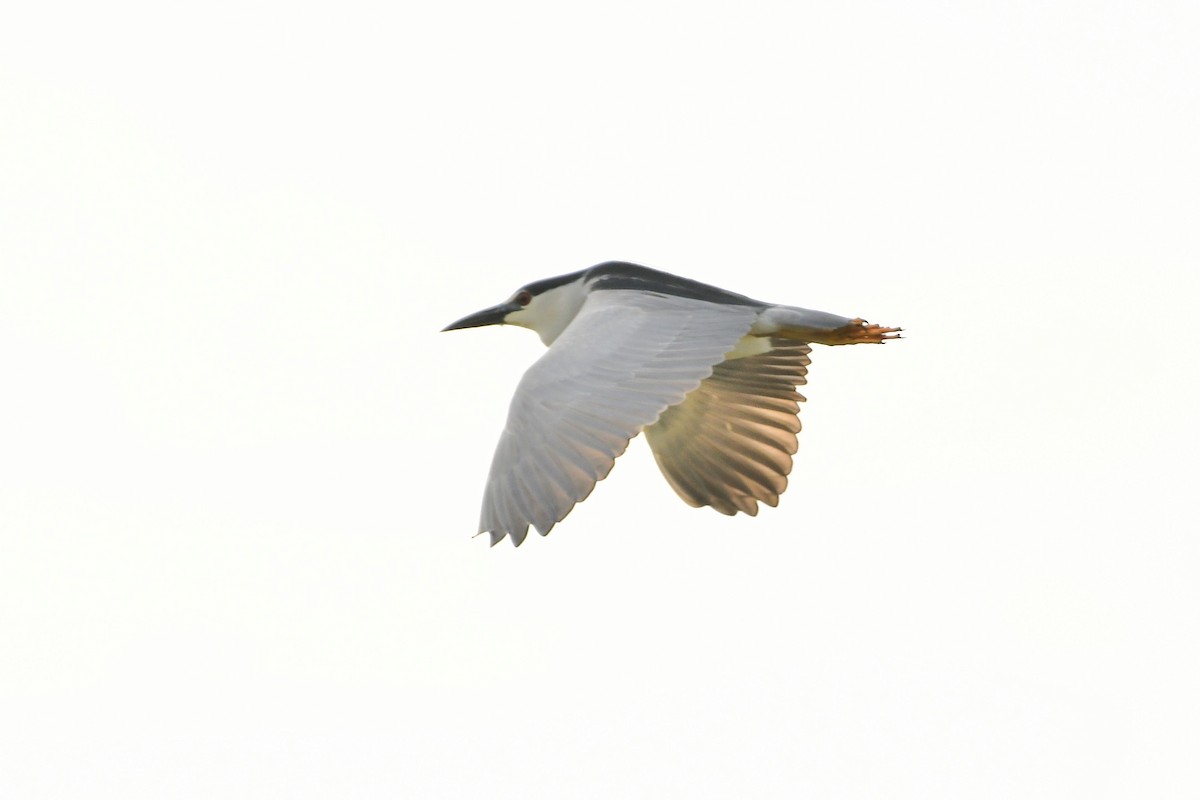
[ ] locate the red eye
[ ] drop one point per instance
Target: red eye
(523, 297)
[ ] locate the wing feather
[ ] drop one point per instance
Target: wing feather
(729, 445)
(626, 358)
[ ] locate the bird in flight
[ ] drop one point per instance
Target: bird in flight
(710, 376)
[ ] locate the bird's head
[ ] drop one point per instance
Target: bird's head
(545, 306)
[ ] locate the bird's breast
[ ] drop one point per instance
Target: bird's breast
(749, 346)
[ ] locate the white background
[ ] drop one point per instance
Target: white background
(240, 467)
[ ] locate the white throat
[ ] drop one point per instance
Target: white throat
(551, 312)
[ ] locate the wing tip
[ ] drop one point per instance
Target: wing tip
(517, 537)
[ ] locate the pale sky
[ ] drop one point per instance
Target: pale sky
(240, 467)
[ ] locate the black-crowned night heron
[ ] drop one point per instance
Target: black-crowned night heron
(709, 375)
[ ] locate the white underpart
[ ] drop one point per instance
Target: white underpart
(749, 346)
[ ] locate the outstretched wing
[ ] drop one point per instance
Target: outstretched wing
(625, 358)
(729, 445)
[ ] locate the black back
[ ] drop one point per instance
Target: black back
(623, 275)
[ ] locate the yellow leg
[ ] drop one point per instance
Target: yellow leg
(859, 331)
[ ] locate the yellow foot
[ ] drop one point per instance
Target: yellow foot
(860, 331)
